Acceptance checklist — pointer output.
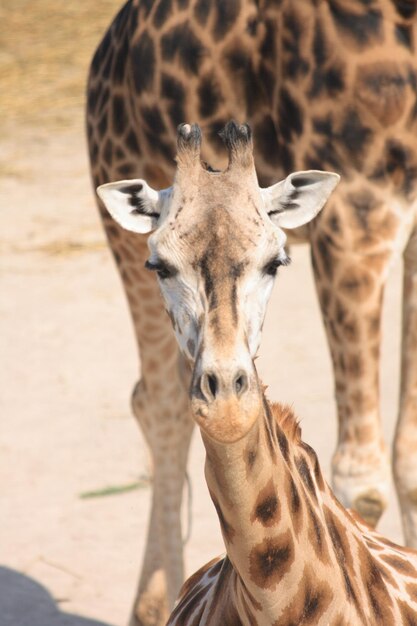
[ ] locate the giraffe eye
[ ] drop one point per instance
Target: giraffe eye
(271, 268)
(162, 269)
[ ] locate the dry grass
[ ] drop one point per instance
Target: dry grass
(45, 50)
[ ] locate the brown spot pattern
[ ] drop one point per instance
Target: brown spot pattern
(271, 559)
(266, 509)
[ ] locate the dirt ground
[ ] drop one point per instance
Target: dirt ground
(68, 364)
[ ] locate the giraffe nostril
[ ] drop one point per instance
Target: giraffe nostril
(240, 383)
(212, 383)
(209, 386)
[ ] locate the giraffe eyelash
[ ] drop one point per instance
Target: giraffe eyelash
(271, 268)
(163, 270)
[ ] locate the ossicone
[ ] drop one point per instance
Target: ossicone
(238, 141)
(189, 138)
(236, 137)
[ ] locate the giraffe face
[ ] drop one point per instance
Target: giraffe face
(216, 256)
(216, 245)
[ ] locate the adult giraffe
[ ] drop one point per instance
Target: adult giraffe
(325, 84)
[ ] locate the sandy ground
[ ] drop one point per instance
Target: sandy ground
(68, 364)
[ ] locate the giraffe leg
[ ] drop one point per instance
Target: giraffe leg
(405, 444)
(167, 428)
(350, 267)
(161, 406)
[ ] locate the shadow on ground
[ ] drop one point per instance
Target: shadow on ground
(24, 602)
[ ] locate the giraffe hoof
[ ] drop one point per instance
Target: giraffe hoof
(370, 506)
(151, 607)
(149, 613)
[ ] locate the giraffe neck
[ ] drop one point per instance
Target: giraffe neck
(284, 531)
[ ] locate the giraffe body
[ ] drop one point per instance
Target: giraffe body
(325, 85)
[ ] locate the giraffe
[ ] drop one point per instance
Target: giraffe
(325, 84)
(216, 244)
(294, 554)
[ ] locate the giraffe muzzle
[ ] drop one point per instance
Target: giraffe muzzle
(225, 401)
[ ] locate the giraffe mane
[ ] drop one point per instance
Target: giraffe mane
(287, 421)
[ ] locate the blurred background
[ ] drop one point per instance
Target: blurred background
(74, 481)
(45, 51)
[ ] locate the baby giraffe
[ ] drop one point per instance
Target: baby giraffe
(294, 555)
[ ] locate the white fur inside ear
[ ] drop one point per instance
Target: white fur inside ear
(132, 203)
(296, 200)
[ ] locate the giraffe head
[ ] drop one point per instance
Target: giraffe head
(216, 244)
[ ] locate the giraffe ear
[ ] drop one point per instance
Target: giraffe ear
(298, 198)
(134, 204)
